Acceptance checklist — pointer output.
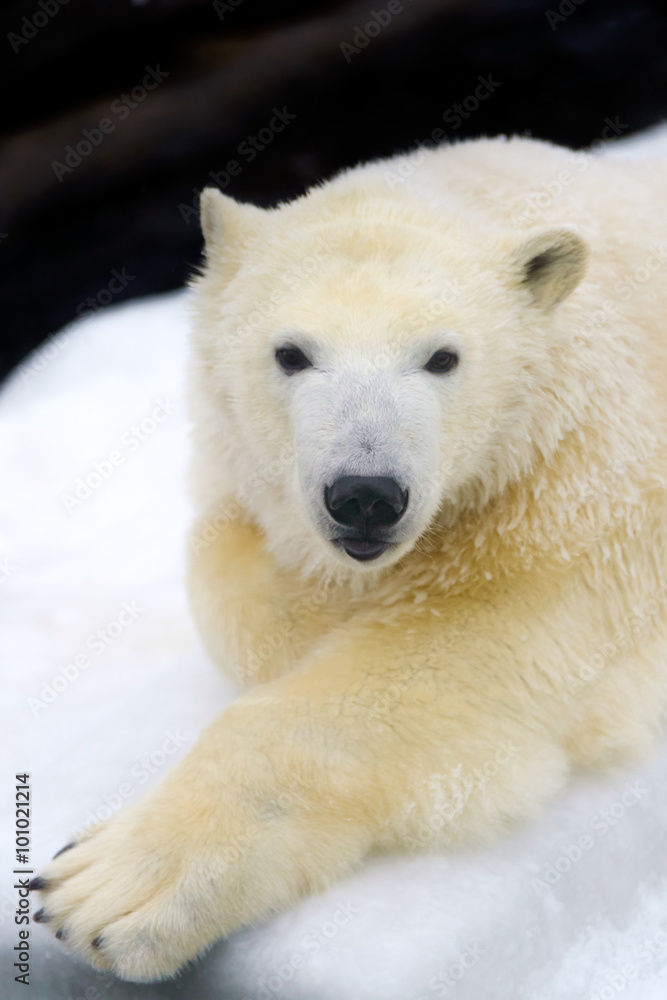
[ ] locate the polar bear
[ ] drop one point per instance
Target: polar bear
(430, 434)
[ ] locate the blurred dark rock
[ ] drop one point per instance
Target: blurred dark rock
(219, 72)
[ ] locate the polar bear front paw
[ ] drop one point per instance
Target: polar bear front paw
(130, 900)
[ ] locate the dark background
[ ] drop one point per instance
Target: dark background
(565, 68)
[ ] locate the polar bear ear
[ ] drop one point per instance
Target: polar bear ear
(226, 223)
(551, 265)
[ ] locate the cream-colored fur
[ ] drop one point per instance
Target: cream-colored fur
(515, 630)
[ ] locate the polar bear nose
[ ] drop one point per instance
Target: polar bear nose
(366, 502)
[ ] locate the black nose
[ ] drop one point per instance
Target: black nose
(366, 502)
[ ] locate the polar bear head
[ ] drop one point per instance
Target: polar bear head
(365, 369)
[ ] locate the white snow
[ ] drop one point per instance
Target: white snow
(536, 916)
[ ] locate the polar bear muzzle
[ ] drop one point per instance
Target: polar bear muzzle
(366, 505)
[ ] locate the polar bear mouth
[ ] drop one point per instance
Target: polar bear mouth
(361, 549)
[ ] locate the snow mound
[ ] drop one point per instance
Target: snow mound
(105, 686)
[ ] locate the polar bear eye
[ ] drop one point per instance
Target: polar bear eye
(291, 359)
(442, 361)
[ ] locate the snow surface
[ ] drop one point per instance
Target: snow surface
(534, 917)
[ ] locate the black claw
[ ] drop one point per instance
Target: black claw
(41, 917)
(96, 942)
(62, 850)
(60, 934)
(38, 883)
